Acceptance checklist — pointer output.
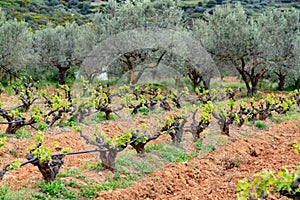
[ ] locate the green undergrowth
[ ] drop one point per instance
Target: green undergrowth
(168, 153)
(208, 148)
(8, 194)
(68, 172)
(201, 148)
(130, 167)
(20, 134)
(100, 116)
(143, 111)
(69, 123)
(261, 125)
(285, 117)
(56, 189)
(97, 166)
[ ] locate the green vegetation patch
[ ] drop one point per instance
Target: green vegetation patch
(100, 116)
(55, 189)
(169, 153)
(281, 118)
(8, 194)
(69, 172)
(261, 125)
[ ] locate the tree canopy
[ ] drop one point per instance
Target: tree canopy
(256, 47)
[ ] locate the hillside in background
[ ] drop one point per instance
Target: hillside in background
(196, 8)
(39, 12)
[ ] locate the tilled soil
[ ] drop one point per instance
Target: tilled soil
(213, 177)
(204, 177)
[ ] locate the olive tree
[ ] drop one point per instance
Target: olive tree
(130, 15)
(199, 74)
(280, 32)
(293, 80)
(61, 47)
(143, 13)
(15, 44)
(231, 36)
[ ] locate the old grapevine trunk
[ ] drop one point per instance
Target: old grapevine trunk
(62, 71)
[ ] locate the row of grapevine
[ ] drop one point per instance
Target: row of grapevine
(208, 108)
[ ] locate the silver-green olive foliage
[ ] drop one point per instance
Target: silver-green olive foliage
(253, 45)
(144, 13)
(131, 15)
(280, 33)
(15, 44)
(231, 36)
(61, 47)
(293, 79)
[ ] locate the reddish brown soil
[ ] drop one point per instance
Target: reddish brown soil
(207, 178)
(29, 174)
(203, 177)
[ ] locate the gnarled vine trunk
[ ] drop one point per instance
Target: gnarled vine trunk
(62, 71)
(49, 169)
